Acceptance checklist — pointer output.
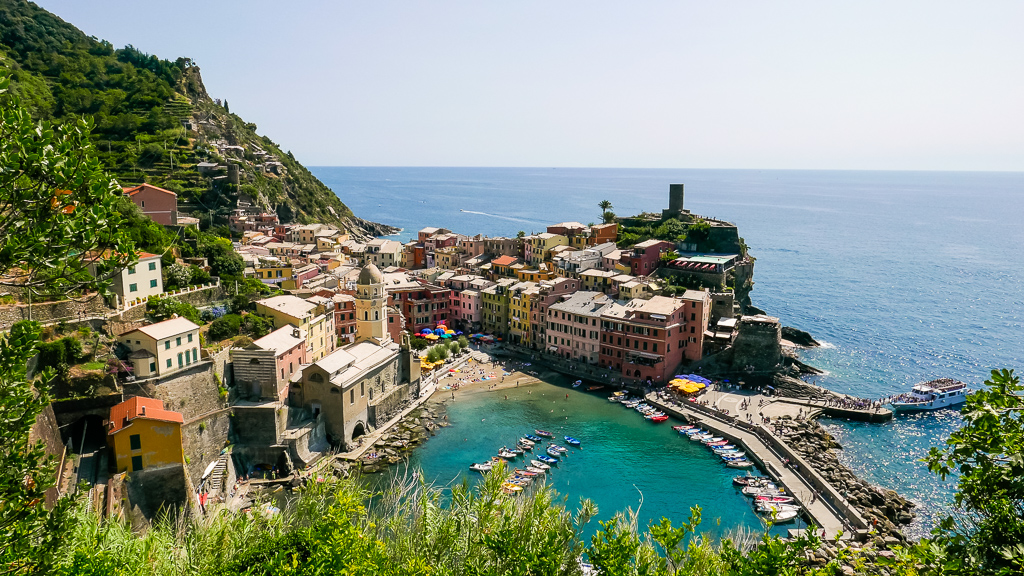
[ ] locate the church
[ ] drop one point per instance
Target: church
(358, 388)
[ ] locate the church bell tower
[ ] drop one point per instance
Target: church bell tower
(371, 311)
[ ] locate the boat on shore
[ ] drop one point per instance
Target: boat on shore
(933, 395)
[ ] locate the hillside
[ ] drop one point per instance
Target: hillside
(155, 122)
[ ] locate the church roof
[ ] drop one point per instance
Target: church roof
(370, 274)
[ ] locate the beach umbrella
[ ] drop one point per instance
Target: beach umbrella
(459, 333)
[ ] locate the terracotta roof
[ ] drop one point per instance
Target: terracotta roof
(504, 260)
(136, 189)
(122, 414)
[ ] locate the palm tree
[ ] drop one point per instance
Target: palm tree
(605, 205)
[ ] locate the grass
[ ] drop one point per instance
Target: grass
(93, 366)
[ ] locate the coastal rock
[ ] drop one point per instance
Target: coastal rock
(799, 337)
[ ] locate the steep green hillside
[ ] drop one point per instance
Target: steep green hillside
(154, 122)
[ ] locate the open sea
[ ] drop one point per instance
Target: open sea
(905, 276)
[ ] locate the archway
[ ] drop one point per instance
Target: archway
(637, 374)
(358, 430)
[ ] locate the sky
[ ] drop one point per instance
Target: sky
(867, 84)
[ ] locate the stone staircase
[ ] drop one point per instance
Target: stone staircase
(217, 476)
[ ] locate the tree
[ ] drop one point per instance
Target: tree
(57, 208)
(608, 217)
(520, 234)
(224, 261)
(986, 535)
(178, 276)
(225, 327)
(605, 206)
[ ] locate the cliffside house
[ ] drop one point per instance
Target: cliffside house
(162, 348)
(160, 205)
(143, 435)
(268, 364)
(136, 282)
(315, 320)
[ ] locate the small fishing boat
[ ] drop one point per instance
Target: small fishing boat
(507, 455)
(740, 464)
(526, 441)
(486, 466)
(540, 465)
(714, 439)
(533, 438)
(683, 427)
(693, 432)
(544, 433)
(783, 516)
(653, 415)
(524, 447)
(561, 449)
(748, 480)
(592, 388)
(572, 441)
(737, 455)
(516, 451)
(511, 488)
(774, 499)
(768, 507)
(547, 459)
(699, 437)
(617, 396)
(767, 489)
(728, 448)
(526, 473)
(554, 453)
(731, 457)
(719, 444)
(577, 383)
(535, 470)
(661, 418)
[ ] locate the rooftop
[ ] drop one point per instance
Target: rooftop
(281, 340)
(291, 305)
(504, 260)
(585, 303)
(167, 328)
(121, 415)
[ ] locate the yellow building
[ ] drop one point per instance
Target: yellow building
(316, 320)
(535, 274)
(143, 435)
(541, 244)
(270, 274)
(519, 307)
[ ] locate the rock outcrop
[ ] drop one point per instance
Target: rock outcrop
(396, 446)
(799, 337)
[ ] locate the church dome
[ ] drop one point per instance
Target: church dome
(370, 274)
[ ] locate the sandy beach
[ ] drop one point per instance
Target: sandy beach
(483, 377)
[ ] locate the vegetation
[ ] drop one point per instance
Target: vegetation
(163, 308)
(147, 113)
(232, 325)
(607, 216)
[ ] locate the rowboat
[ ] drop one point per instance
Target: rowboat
(768, 489)
(486, 466)
(768, 507)
(572, 441)
(525, 447)
(683, 427)
(774, 499)
(715, 439)
(547, 459)
(699, 437)
(661, 418)
(740, 464)
(737, 455)
(539, 464)
(535, 470)
(719, 444)
(544, 433)
(533, 438)
(554, 453)
(526, 442)
(506, 455)
(748, 480)
(592, 388)
(577, 383)
(653, 415)
(510, 488)
(526, 473)
(561, 449)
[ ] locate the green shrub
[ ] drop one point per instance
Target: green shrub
(52, 354)
(72, 349)
(225, 327)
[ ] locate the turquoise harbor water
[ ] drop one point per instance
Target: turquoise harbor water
(624, 461)
(906, 276)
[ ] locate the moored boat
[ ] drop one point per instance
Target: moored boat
(539, 464)
(506, 454)
(941, 393)
(547, 459)
(713, 439)
(561, 449)
(554, 453)
(661, 418)
(486, 466)
(526, 441)
(535, 470)
(533, 438)
(544, 433)
(572, 441)
(526, 473)
(740, 464)
(774, 499)
(748, 480)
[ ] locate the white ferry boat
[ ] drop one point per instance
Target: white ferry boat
(941, 393)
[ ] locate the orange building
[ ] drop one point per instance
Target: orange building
(143, 435)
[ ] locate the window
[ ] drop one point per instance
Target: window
(135, 442)
(136, 463)
(152, 366)
(133, 287)
(177, 341)
(195, 354)
(152, 283)
(352, 396)
(189, 337)
(132, 270)
(168, 362)
(181, 360)
(152, 266)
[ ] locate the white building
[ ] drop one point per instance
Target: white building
(162, 348)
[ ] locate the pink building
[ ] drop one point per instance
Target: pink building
(160, 205)
(645, 257)
(550, 292)
(288, 344)
(574, 326)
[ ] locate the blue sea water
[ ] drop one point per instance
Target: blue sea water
(906, 276)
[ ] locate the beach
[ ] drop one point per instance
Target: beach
(491, 376)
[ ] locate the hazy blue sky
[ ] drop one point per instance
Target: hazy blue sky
(861, 84)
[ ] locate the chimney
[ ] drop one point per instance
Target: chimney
(143, 409)
(296, 333)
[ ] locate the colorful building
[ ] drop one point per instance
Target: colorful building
(162, 348)
(574, 326)
(144, 435)
(541, 244)
(646, 256)
(315, 321)
(502, 266)
(521, 297)
(161, 206)
(494, 301)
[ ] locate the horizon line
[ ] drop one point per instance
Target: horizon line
(969, 171)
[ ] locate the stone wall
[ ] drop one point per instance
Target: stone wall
(258, 425)
(91, 306)
(151, 489)
(192, 391)
(47, 430)
(255, 372)
(202, 440)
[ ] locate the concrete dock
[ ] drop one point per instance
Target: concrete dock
(822, 502)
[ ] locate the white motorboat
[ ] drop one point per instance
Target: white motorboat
(561, 449)
(739, 464)
(485, 467)
(941, 393)
(768, 489)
